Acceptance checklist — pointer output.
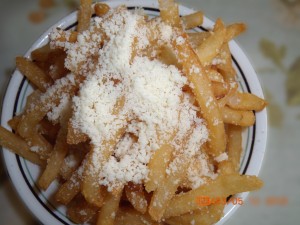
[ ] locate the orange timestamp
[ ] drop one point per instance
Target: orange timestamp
(207, 200)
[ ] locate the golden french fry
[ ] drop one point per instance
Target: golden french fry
(90, 184)
(70, 188)
(57, 68)
(234, 145)
(32, 100)
(197, 38)
(205, 216)
(101, 9)
(54, 162)
(74, 136)
(224, 185)
(15, 144)
(157, 167)
(110, 208)
(238, 117)
(84, 15)
(226, 68)
(80, 211)
(203, 93)
(226, 167)
(49, 130)
(246, 101)
(132, 217)
(193, 20)
(73, 160)
(136, 196)
(27, 129)
(214, 75)
(211, 46)
(169, 12)
(168, 57)
(220, 89)
(232, 90)
(36, 76)
(167, 188)
(234, 30)
(14, 122)
(90, 187)
(41, 54)
(57, 157)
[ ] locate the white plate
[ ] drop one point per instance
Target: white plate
(24, 174)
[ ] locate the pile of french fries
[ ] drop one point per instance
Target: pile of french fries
(159, 200)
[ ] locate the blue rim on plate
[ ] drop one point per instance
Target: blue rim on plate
(24, 174)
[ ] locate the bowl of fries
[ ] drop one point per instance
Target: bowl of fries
(164, 83)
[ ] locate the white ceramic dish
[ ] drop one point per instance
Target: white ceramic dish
(24, 174)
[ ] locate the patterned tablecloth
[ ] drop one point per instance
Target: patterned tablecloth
(272, 42)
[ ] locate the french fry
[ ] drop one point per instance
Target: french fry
(27, 126)
(32, 100)
(193, 20)
(234, 145)
(74, 136)
(57, 69)
(136, 196)
(246, 101)
(14, 122)
(18, 146)
(80, 211)
(197, 38)
(226, 68)
(90, 187)
(168, 57)
(73, 160)
(224, 185)
(226, 167)
(84, 15)
(110, 208)
(232, 90)
(33, 73)
(238, 117)
(214, 75)
(90, 184)
(209, 48)
(132, 217)
(41, 54)
(157, 167)
(219, 89)
(234, 30)
(101, 9)
(167, 188)
(49, 130)
(204, 95)
(169, 12)
(205, 216)
(70, 188)
(57, 157)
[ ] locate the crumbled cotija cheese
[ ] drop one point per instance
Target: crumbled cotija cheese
(155, 108)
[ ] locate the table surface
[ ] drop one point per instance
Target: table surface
(272, 43)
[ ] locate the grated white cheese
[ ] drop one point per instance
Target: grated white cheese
(154, 107)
